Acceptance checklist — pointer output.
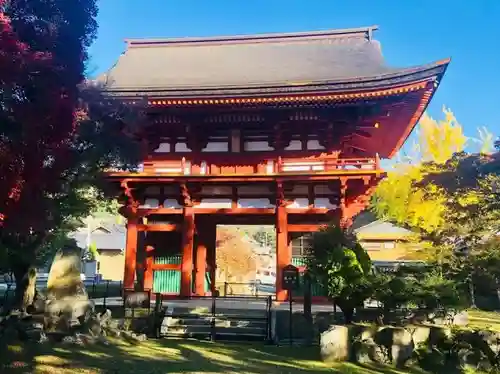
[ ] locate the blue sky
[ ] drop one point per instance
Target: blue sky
(411, 32)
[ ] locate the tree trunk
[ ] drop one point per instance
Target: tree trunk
(347, 311)
(348, 314)
(25, 284)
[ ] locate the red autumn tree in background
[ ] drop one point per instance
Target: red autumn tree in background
(43, 45)
(51, 151)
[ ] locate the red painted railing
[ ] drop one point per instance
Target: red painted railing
(282, 165)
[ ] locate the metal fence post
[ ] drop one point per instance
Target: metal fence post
(157, 316)
(269, 304)
(212, 332)
(105, 294)
(290, 326)
(225, 288)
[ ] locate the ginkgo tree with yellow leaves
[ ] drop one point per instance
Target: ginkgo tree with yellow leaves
(439, 194)
(440, 139)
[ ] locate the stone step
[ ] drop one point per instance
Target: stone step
(207, 330)
(296, 342)
(219, 322)
(256, 313)
(227, 315)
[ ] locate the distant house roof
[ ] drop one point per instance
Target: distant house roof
(331, 60)
(379, 230)
(105, 237)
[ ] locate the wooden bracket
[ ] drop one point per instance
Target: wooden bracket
(132, 205)
(280, 195)
(343, 191)
(185, 199)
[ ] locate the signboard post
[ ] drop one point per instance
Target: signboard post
(290, 282)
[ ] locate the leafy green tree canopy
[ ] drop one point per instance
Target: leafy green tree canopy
(342, 267)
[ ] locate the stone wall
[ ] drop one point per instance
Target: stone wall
(430, 347)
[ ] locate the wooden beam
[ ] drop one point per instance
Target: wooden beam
(166, 267)
(225, 211)
(142, 212)
(160, 227)
(238, 178)
(314, 227)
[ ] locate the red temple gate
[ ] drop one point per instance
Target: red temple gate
(282, 129)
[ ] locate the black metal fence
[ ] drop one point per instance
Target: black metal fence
(253, 290)
(148, 309)
(219, 309)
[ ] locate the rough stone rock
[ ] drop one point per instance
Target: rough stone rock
(113, 324)
(86, 339)
(402, 346)
(461, 319)
(39, 303)
(70, 339)
(492, 338)
(93, 327)
(113, 333)
(71, 307)
(442, 318)
(334, 344)
(132, 336)
(361, 353)
(64, 276)
(376, 353)
(420, 335)
(472, 361)
(398, 342)
(105, 318)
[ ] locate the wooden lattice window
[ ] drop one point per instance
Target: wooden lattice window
(302, 245)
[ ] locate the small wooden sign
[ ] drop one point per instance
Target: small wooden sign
(136, 299)
(290, 278)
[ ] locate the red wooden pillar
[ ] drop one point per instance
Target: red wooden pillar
(201, 259)
(187, 252)
(283, 252)
(130, 253)
(212, 255)
(148, 268)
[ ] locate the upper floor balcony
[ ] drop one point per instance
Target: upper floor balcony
(240, 166)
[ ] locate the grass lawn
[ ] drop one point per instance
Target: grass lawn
(484, 320)
(172, 357)
(188, 356)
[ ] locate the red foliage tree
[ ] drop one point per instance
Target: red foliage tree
(43, 50)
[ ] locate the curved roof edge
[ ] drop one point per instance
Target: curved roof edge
(365, 32)
(432, 71)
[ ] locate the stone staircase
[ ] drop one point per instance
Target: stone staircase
(229, 324)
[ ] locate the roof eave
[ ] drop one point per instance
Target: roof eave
(432, 71)
(444, 65)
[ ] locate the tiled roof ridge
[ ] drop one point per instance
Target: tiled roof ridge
(361, 32)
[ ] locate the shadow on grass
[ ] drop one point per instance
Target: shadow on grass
(171, 356)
